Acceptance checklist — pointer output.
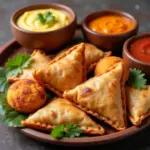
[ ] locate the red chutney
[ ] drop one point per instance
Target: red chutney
(140, 49)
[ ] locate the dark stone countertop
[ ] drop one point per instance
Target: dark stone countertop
(12, 139)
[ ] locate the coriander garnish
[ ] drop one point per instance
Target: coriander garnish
(13, 67)
(70, 131)
(137, 79)
(46, 18)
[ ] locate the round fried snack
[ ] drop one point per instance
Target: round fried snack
(26, 96)
(105, 64)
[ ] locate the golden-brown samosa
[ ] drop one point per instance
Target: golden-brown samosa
(92, 55)
(61, 111)
(38, 60)
(64, 72)
(103, 97)
(138, 104)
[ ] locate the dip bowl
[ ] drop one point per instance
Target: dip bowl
(48, 40)
(133, 62)
(108, 42)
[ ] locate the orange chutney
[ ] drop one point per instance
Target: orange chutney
(111, 24)
(140, 49)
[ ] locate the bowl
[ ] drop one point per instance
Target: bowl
(49, 40)
(133, 62)
(108, 42)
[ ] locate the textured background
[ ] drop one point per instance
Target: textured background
(12, 139)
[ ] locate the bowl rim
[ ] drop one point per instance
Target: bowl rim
(131, 40)
(51, 4)
(119, 12)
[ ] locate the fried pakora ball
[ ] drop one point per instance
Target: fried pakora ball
(106, 63)
(26, 96)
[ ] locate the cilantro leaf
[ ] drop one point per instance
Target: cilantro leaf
(137, 78)
(41, 18)
(49, 17)
(46, 18)
(47, 14)
(73, 131)
(58, 132)
(8, 115)
(69, 131)
(16, 64)
(4, 85)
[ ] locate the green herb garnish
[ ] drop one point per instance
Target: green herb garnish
(12, 68)
(15, 65)
(41, 18)
(46, 18)
(4, 85)
(137, 79)
(58, 132)
(70, 131)
(8, 115)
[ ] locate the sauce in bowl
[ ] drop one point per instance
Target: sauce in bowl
(111, 24)
(42, 20)
(140, 49)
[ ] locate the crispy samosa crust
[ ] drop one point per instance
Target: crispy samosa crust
(61, 111)
(103, 97)
(64, 72)
(138, 104)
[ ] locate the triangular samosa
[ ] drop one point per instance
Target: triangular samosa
(64, 72)
(61, 111)
(103, 97)
(138, 104)
(92, 55)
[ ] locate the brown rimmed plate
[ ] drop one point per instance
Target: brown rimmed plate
(10, 49)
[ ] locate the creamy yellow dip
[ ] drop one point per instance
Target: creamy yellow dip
(29, 21)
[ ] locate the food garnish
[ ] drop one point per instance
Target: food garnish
(137, 78)
(8, 115)
(70, 130)
(4, 85)
(46, 18)
(15, 65)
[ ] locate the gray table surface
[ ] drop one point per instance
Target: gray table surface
(12, 139)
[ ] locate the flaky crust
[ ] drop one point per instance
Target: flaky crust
(73, 95)
(80, 49)
(138, 104)
(92, 55)
(58, 112)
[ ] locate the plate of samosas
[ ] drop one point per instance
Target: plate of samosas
(82, 95)
(66, 89)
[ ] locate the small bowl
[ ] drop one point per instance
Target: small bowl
(49, 40)
(111, 42)
(133, 62)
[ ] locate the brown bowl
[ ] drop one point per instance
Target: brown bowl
(49, 40)
(108, 41)
(133, 62)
